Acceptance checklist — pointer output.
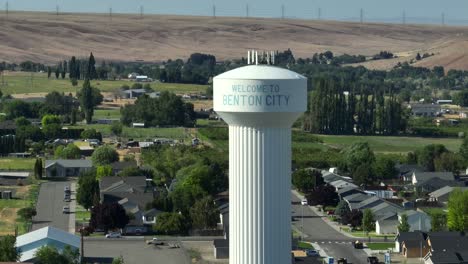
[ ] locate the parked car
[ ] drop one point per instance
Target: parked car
(372, 260)
(113, 235)
(358, 244)
(67, 198)
(155, 241)
(66, 189)
(330, 212)
(304, 202)
(66, 209)
(311, 253)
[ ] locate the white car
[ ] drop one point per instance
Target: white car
(304, 202)
(66, 210)
(114, 235)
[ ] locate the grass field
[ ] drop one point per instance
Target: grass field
(106, 113)
(25, 82)
(17, 164)
(139, 133)
(25, 196)
(384, 144)
(380, 246)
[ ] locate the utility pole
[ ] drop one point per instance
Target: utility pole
(319, 13)
(404, 18)
(443, 19)
(247, 11)
(214, 11)
(57, 10)
(110, 13)
(282, 11)
(6, 8)
(361, 16)
(141, 11)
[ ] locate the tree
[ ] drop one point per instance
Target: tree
(358, 154)
(385, 168)
(204, 214)
(91, 134)
(88, 186)
(457, 215)
(342, 209)
(429, 154)
(464, 150)
(438, 221)
(116, 128)
(364, 174)
(353, 218)
(91, 73)
(305, 180)
(86, 101)
(418, 56)
(104, 155)
(38, 168)
(8, 252)
(448, 161)
(71, 151)
(171, 224)
(404, 225)
(119, 260)
(27, 213)
(57, 72)
(108, 216)
(322, 195)
(49, 72)
(103, 171)
(367, 220)
(50, 255)
(461, 98)
(51, 126)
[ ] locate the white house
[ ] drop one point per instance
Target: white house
(30, 242)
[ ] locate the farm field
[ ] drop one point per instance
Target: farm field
(37, 83)
(390, 144)
(17, 164)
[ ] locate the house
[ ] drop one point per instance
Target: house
(343, 192)
(143, 78)
(441, 195)
(330, 177)
(121, 165)
(406, 171)
(444, 257)
(367, 203)
(440, 102)
(379, 191)
(412, 238)
(447, 247)
(354, 199)
(133, 193)
(67, 168)
(340, 184)
(431, 181)
(387, 224)
(417, 220)
(133, 93)
(132, 75)
(425, 110)
(149, 217)
(30, 242)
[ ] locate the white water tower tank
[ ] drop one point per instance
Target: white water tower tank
(260, 103)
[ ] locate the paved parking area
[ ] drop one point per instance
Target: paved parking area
(50, 205)
(135, 251)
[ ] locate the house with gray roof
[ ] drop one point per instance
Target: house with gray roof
(67, 168)
(340, 184)
(367, 203)
(356, 198)
(331, 177)
(441, 195)
(425, 110)
(387, 224)
(417, 220)
(431, 181)
(346, 191)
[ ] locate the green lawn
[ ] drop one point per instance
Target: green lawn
(106, 113)
(25, 82)
(364, 234)
(18, 164)
(380, 246)
(390, 144)
(304, 245)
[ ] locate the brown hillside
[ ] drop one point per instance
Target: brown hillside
(48, 38)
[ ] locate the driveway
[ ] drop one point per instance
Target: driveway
(50, 205)
(317, 231)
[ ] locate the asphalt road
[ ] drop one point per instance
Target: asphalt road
(50, 205)
(316, 230)
(134, 251)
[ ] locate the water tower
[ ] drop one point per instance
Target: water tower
(260, 104)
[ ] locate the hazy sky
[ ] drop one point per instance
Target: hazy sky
(423, 11)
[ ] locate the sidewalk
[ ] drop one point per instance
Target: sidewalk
(325, 218)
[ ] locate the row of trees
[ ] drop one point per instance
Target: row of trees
(167, 110)
(336, 108)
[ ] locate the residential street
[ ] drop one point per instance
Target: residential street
(50, 205)
(330, 240)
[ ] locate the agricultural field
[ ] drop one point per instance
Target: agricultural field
(36, 83)
(17, 164)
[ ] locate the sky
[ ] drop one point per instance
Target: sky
(416, 11)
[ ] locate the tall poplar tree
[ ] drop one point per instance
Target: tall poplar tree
(86, 101)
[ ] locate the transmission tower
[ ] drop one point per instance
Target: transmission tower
(361, 16)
